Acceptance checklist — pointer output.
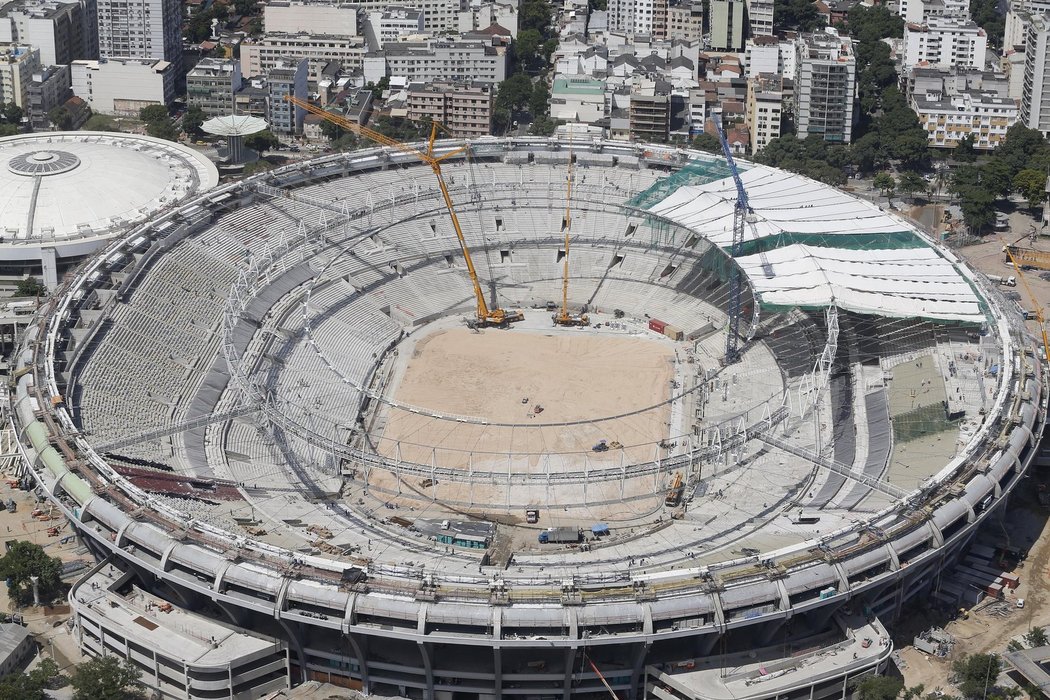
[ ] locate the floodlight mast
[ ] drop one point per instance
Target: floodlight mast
(741, 211)
(485, 315)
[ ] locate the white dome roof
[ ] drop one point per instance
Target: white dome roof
(59, 187)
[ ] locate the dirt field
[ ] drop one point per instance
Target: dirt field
(572, 375)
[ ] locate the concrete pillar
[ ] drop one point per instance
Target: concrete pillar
(49, 265)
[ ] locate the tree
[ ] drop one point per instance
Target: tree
(885, 183)
(799, 15)
(964, 150)
(910, 182)
(528, 45)
(1031, 184)
(8, 129)
(1036, 637)
(535, 14)
(24, 560)
(1014, 645)
(13, 113)
(153, 113)
(514, 92)
(105, 678)
(262, 141)
(978, 207)
(707, 142)
(538, 105)
(976, 674)
(379, 88)
(31, 685)
(61, 118)
(30, 287)
(192, 121)
(163, 129)
(331, 131)
(878, 688)
(544, 126)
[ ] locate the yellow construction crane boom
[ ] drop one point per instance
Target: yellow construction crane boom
(563, 317)
(1037, 307)
(485, 315)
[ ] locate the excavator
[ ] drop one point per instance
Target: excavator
(563, 317)
(486, 316)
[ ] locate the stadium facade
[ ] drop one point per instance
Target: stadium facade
(156, 388)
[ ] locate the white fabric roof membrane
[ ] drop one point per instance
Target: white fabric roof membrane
(782, 202)
(886, 281)
(901, 282)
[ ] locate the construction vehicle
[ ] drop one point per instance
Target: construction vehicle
(1038, 308)
(532, 515)
(601, 446)
(486, 316)
(564, 317)
(560, 535)
(674, 493)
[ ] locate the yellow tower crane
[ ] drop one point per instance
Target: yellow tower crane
(1036, 306)
(563, 317)
(485, 315)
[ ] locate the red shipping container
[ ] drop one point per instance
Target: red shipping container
(655, 325)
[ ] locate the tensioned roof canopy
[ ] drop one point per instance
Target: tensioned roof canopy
(812, 245)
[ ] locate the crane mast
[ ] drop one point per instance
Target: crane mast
(563, 317)
(485, 315)
(741, 212)
(1038, 308)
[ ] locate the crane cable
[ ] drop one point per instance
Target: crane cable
(612, 693)
(474, 191)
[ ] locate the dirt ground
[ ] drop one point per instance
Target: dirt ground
(48, 625)
(503, 377)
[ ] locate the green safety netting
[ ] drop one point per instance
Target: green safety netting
(696, 172)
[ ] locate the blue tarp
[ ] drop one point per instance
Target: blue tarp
(600, 529)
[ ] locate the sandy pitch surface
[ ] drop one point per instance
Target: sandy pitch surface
(573, 375)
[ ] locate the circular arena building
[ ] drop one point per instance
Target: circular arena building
(265, 415)
(63, 195)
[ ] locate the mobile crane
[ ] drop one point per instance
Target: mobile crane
(563, 317)
(485, 316)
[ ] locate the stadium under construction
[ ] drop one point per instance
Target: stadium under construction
(264, 413)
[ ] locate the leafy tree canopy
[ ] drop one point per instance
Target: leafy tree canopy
(105, 678)
(153, 113)
(878, 688)
(30, 287)
(976, 674)
(25, 559)
(31, 685)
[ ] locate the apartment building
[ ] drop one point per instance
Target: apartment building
(685, 20)
(638, 17)
(727, 24)
(141, 29)
(948, 119)
(17, 66)
(481, 15)
(395, 22)
(649, 113)
(257, 57)
(760, 17)
(1035, 90)
(464, 108)
(123, 85)
(49, 88)
(287, 78)
(825, 86)
(439, 60)
(765, 106)
(212, 84)
(328, 17)
(62, 31)
(945, 41)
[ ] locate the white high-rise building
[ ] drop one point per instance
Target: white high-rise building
(945, 42)
(825, 86)
(727, 24)
(1035, 91)
(140, 29)
(760, 17)
(638, 16)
